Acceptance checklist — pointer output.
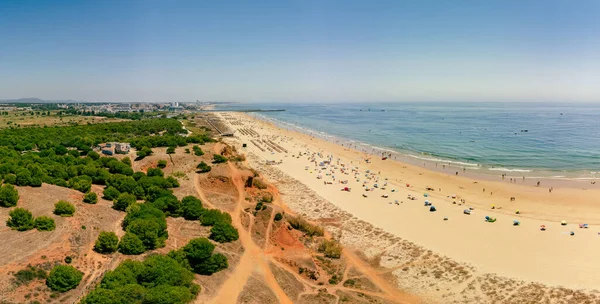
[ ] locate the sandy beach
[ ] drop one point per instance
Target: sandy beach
(552, 257)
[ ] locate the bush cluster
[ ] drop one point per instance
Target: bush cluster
(203, 167)
(331, 249)
(301, 224)
(146, 229)
(158, 279)
(9, 196)
(21, 219)
(63, 278)
(47, 157)
(197, 151)
(90, 198)
(64, 208)
(198, 256)
(218, 159)
(107, 242)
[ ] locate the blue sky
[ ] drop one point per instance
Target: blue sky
(301, 51)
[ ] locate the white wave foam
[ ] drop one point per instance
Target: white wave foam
(509, 170)
(433, 159)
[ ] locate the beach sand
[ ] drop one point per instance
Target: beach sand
(476, 250)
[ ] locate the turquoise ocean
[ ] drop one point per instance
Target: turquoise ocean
(549, 140)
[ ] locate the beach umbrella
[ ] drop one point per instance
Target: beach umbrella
(425, 194)
(563, 223)
(543, 227)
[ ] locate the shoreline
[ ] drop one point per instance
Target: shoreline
(530, 176)
(551, 257)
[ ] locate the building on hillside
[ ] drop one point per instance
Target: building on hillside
(122, 148)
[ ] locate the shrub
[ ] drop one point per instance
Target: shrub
(171, 150)
(126, 160)
(267, 198)
(258, 183)
(218, 159)
(68, 259)
(143, 152)
(197, 151)
(304, 226)
(155, 172)
(25, 276)
(107, 242)
(123, 201)
(131, 244)
(278, 217)
(64, 278)
(8, 196)
(111, 193)
(20, 219)
(44, 223)
(64, 208)
(162, 163)
(169, 204)
(214, 263)
(148, 231)
(191, 208)
(213, 216)
(203, 167)
(82, 183)
(331, 249)
(223, 232)
(197, 250)
(90, 198)
(187, 150)
(168, 294)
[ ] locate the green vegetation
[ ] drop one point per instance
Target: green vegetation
(8, 196)
(197, 151)
(20, 219)
(223, 232)
(131, 244)
(64, 208)
(158, 279)
(123, 201)
(331, 249)
(304, 226)
(218, 159)
(169, 204)
(25, 276)
(148, 224)
(47, 157)
(198, 256)
(162, 163)
(64, 278)
(107, 242)
(258, 183)
(191, 208)
(212, 216)
(44, 223)
(171, 150)
(278, 217)
(155, 172)
(90, 198)
(111, 193)
(203, 167)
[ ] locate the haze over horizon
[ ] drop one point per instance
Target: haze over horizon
(330, 51)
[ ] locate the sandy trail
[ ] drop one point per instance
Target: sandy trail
(253, 259)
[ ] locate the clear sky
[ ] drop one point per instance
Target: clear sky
(319, 51)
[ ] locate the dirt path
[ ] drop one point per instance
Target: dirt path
(253, 259)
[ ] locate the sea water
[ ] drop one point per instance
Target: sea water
(529, 139)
